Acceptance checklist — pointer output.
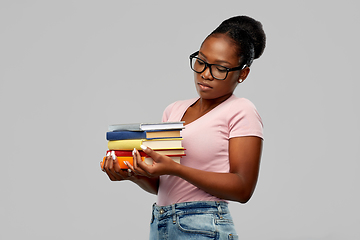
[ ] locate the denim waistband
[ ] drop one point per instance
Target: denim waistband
(191, 208)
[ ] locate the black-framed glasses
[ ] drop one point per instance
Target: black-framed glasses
(217, 71)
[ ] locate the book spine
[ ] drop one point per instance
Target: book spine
(123, 135)
(147, 160)
(121, 161)
(124, 127)
(125, 144)
(121, 153)
(126, 153)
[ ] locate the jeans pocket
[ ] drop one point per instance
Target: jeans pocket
(200, 223)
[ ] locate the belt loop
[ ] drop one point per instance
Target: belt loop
(174, 214)
(219, 209)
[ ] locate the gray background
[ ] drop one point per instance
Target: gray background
(71, 68)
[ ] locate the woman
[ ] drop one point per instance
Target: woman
(222, 138)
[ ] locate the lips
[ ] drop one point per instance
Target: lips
(204, 86)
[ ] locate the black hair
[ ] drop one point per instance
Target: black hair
(247, 34)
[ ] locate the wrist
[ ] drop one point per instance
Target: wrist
(175, 169)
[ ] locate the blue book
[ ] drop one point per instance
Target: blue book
(123, 135)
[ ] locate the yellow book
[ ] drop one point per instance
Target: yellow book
(130, 144)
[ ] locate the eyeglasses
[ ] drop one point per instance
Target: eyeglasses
(217, 71)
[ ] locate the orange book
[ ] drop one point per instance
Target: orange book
(127, 159)
(147, 160)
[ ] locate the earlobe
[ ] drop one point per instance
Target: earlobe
(243, 75)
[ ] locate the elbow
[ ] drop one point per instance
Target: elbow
(244, 200)
(244, 196)
(244, 192)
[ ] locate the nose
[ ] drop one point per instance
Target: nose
(207, 74)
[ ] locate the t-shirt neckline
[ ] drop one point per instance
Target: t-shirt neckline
(197, 99)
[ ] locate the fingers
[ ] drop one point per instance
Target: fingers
(139, 167)
(147, 150)
(154, 155)
(103, 163)
(112, 168)
(161, 165)
(108, 167)
(116, 166)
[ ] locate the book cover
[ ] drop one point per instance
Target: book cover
(155, 134)
(146, 126)
(130, 144)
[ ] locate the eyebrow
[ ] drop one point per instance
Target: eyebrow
(218, 61)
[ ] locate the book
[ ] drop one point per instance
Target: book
(147, 160)
(126, 153)
(130, 144)
(128, 159)
(146, 126)
(171, 152)
(167, 152)
(154, 134)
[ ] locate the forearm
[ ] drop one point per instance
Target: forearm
(229, 186)
(150, 185)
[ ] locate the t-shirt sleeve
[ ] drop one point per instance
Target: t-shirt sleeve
(245, 120)
(167, 112)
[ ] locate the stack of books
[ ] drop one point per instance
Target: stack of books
(164, 138)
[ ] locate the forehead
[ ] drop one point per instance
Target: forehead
(219, 48)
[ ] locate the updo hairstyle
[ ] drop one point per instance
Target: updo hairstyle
(247, 34)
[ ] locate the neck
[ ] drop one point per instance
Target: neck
(205, 105)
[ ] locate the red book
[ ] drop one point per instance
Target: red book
(125, 153)
(167, 152)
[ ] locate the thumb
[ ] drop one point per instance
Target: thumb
(150, 152)
(147, 150)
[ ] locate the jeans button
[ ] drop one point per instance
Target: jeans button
(162, 211)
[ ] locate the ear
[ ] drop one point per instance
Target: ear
(243, 74)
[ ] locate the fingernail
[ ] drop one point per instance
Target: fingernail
(133, 152)
(143, 147)
(108, 154)
(125, 163)
(113, 155)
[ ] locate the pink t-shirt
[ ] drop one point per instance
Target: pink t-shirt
(206, 141)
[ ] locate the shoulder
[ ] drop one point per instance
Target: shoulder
(175, 110)
(241, 105)
(243, 118)
(178, 105)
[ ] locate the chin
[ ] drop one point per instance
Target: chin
(207, 96)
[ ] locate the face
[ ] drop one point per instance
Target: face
(218, 50)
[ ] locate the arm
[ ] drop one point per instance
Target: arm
(237, 185)
(115, 173)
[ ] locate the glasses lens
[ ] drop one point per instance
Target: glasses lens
(197, 65)
(218, 72)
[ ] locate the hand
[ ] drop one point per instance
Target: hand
(112, 168)
(162, 165)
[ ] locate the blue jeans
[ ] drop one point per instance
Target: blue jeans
(192, 220)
